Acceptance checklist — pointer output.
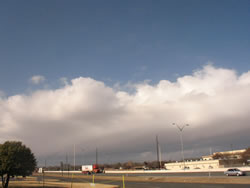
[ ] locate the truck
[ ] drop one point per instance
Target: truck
(91, 169)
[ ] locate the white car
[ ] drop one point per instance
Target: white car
(234, 172)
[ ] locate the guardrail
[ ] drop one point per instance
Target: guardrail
(172, 171)
(247, 169)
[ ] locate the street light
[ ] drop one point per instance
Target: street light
(181, 129)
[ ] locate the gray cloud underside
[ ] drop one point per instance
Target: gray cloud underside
(88, 113)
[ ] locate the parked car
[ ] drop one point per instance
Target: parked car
(234, 172)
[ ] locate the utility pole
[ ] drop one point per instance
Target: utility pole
(160, 155)
(67, 163)
(45, 163)
(74, 157)
(96, 157)
(157, 150)
(62, 165)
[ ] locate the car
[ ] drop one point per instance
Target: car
(234, 172)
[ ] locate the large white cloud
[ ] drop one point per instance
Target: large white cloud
(214, 101)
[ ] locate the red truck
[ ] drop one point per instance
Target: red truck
(91, 169)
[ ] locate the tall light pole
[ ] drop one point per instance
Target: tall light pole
(181, 129)
(96, 156)
(157, 150)
(74, 157)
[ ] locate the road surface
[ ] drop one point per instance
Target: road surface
(146, 184)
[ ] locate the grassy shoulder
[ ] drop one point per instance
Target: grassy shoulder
(32, 182)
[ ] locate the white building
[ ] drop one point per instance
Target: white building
(234, 154)
(206, 162)
(192, 165)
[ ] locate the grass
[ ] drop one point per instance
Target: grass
(33, 187)
(31, 182)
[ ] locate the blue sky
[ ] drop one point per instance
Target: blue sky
(119, 41)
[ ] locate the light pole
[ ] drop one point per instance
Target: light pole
(181, 129)
(74, 157)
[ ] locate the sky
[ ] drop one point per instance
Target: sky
(114, 74)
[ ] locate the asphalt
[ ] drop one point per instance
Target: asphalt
(134, 184)
(178, 185)
(188, 174)
(149, 184)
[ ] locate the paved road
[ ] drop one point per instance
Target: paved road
(135, 184)
(178, 185)
(196, 174)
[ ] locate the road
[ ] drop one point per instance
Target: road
(175, 185)
(134, 184)
(147, 184)
(194, 174)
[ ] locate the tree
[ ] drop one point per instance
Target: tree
(128, 165)
(15, 160)
(218, 156)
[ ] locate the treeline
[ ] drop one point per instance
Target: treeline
(126, 165)
(135, 165)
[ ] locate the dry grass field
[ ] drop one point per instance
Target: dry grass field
(31, 182)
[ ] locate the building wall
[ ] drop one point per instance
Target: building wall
(234, 154)
(233, 158)
(207, 157)
(192, 165)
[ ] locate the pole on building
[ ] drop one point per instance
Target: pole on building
(209, 173)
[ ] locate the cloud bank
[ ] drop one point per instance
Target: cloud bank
(88, 113)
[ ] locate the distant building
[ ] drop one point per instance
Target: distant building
(207, 162)
(202, 164)
(207, 157)
(234, 154)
